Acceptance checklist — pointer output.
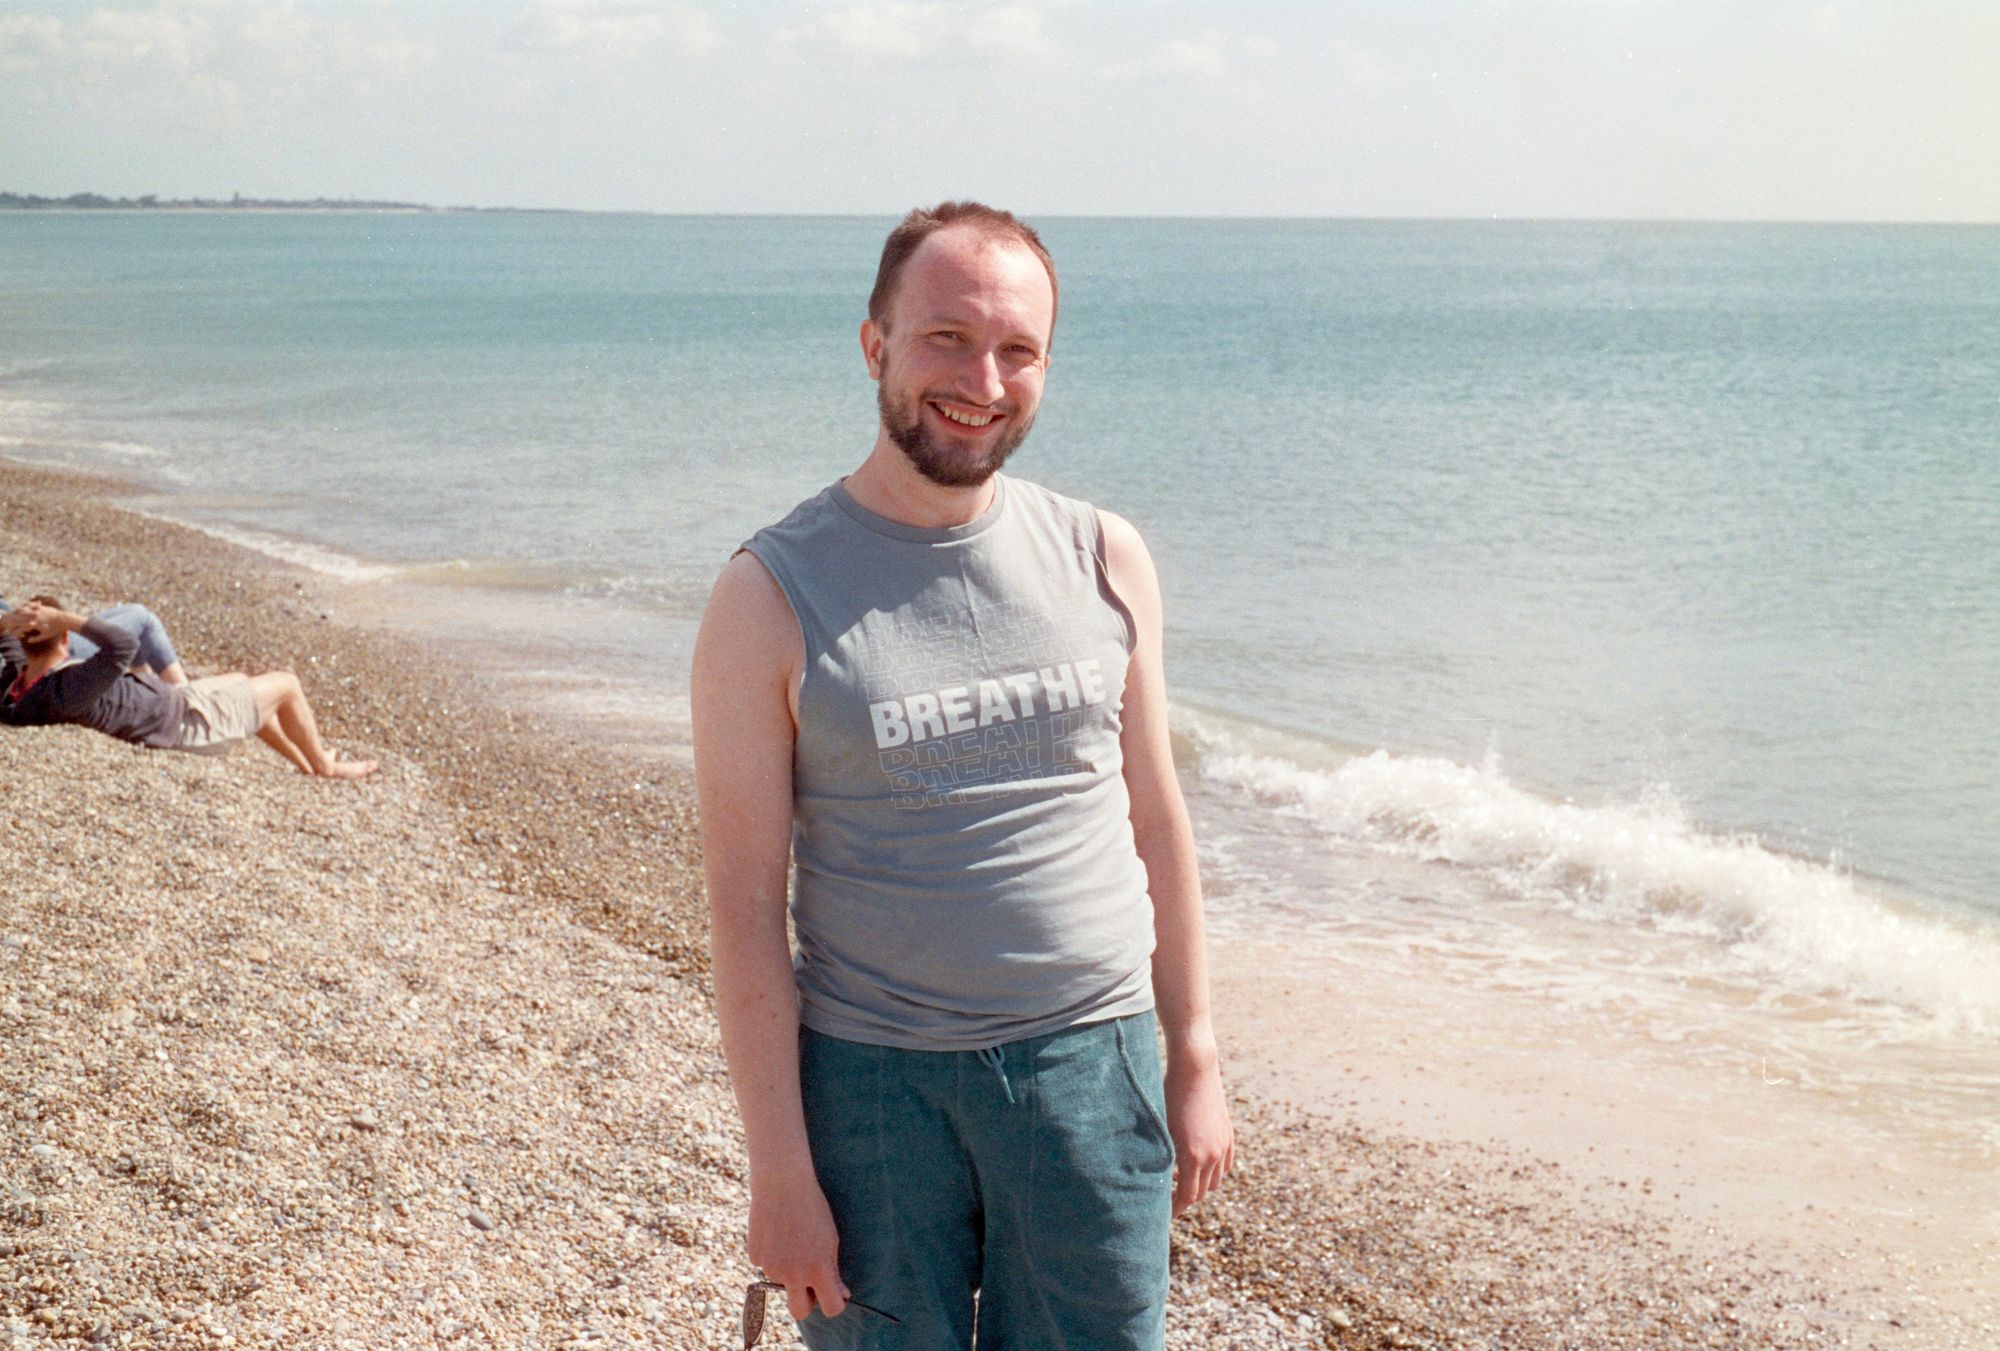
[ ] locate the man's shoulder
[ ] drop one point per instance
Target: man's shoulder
(749, 617)
(1031, 491)
(1111, 537)
(1031, 499)
(813, 516)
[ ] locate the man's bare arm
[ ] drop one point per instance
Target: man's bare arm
(1197, 1108)
(746, 664)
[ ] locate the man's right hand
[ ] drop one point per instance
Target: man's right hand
(793, 1240)
(37, 622)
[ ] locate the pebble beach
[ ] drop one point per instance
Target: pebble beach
(431, 1060)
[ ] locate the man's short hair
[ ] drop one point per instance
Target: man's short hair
(49, 601)
(922, 223)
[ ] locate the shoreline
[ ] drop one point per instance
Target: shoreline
(547, 899)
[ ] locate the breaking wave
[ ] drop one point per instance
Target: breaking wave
(1809, 925)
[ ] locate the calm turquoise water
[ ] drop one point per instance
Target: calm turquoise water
(1660, 564)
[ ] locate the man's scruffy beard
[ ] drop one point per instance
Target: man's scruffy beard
(942, 465)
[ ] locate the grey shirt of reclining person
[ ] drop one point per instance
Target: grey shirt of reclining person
(98, 693)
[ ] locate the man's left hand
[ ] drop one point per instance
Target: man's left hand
(1198, 1120)
(36, 622)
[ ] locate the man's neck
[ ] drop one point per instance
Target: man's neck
(40, 664)
(890, 486)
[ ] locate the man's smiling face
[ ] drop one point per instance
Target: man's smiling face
(961, 354)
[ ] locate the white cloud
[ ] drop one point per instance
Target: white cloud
(27, 40)
(174, 38)
(909, 30)
(1201, 57)
(213, 53)
(1209, 55)
(613, 30)
(1014, 30)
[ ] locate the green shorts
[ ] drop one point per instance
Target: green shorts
(1038, 1174)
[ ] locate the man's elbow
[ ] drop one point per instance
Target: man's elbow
(116, 644)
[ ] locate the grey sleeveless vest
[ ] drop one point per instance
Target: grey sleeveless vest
(965, 870)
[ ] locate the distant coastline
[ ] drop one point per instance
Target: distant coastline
(91, 201)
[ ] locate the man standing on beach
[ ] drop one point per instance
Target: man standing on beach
(941, 687)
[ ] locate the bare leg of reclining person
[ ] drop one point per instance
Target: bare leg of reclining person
(286, 724)
(274, 737)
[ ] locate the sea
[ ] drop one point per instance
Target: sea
(1606, 614)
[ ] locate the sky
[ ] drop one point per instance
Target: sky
(1651, 109)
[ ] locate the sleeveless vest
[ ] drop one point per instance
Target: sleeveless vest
(965, 868)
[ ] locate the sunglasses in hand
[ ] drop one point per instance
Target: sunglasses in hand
(753, 1310)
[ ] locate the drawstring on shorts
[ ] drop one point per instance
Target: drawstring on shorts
(998, 1064)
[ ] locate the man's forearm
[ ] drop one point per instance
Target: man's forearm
(1180, 947)
(792, 1237)
(756, 1003)
(46, 619)
(1197, 1108)
(116, 645)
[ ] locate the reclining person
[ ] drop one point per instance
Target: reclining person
(38, 689)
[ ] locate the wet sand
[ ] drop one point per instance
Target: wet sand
(430, 1060)
(1899, 1233)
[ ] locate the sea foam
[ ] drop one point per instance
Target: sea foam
(313, 557)
(1804, 925)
